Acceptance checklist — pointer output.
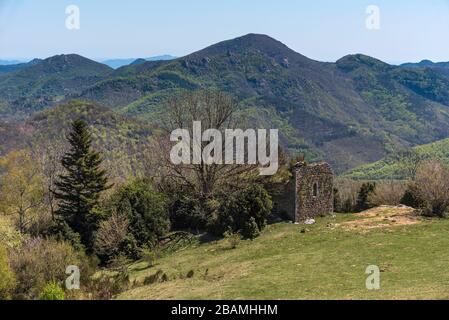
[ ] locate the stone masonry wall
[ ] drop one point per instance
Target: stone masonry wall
(284, 201)
(308, 204)
(297, 201)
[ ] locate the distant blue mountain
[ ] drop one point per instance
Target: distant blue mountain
(441, 67)
(162, 57)
(7, 68)
(10, 62)
(117, 63)
(138, 61)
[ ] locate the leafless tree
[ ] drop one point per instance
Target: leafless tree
(409, 162)
(432, 186)
(49, 160)
(215, 110)
(388, 193)
(111, 233)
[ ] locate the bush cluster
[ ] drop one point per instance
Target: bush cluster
(245, 212)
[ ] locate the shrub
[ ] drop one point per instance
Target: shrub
(147, 215)
(107, 286)
(9, 236)
(412, 198)
(233, 239)
(252, 229)
(159, 277)
(38, 262)
(345, 195)
(337, 200)
(363, 196)
(185, 214)
(356, 196)
(387, 193)
(61, 231)
(430, 188)
(111, 236)
(119, 263)
(244, 211)
(7, 278)
(150, 256)
(52, 291)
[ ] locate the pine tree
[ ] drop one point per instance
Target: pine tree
(79, 188)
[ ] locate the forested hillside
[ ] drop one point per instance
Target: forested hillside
(352, 112)
(123, 142)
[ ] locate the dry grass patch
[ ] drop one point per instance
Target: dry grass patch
(383, 217)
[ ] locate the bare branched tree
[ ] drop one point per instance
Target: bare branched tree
(215, 110)
(409, 162)
(49, 160)
(111, 233)
(432, 186)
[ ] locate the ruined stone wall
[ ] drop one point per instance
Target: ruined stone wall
(297, 202)
(284, 201)
(309, 204)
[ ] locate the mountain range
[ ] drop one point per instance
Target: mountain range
(9, 62)
(442, 67)
(117, 63)
(355, 111)
(6, 68)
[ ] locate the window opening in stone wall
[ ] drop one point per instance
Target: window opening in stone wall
(315, 190)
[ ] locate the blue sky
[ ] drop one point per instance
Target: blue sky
(325, 30)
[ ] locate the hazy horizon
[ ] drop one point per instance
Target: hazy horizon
(106, 59)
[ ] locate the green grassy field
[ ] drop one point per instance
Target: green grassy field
(325, 262)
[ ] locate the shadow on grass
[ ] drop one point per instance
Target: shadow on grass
(208, 238)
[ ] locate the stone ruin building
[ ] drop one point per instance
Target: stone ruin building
(309, 194)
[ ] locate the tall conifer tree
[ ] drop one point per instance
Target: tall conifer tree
(79, 188)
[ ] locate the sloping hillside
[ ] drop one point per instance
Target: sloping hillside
(14, 67)
(327, 260)
(349, 113)
(397, 166)
(42, 83)
(124, 143)
(12, 137)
